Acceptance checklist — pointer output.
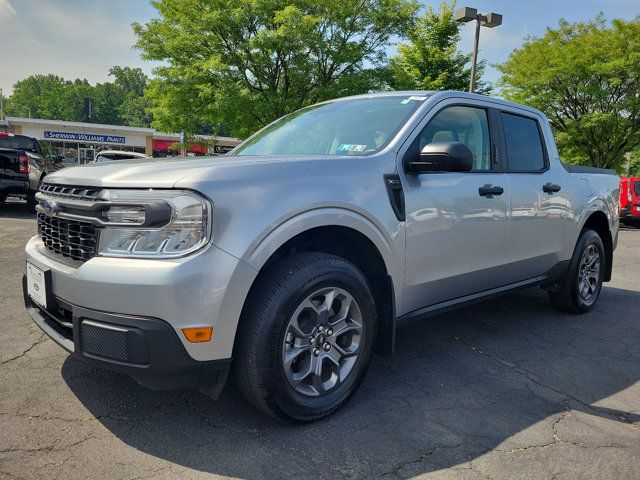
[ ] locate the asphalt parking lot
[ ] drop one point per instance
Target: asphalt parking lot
(506, 389)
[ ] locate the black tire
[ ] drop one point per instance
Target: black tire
(633, 223)
(3, 197)
(31, 201)
(568, 298)
(259, 352)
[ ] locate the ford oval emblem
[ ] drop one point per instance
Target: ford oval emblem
(50, 207)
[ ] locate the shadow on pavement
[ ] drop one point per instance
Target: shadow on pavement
(459, 385)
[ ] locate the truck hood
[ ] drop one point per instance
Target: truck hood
(150, 172)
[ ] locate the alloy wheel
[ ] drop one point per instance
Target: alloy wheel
(589, 274)
(322, 341)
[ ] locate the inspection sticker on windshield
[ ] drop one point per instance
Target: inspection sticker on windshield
(350, 147)
(414, 98)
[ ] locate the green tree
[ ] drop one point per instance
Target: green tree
(244, 63)
(44, 95)
(633, 169)
(431, 60)
(586, 78)
(133, 108)
(130, 80)
(120, 102)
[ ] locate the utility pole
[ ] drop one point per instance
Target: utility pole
(490, 20)
(1, 105)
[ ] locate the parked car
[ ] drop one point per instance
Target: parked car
(630, 201)
(22, 167)
(111, 155)
(291, 260)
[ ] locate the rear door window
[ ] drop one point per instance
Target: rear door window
(525, 151)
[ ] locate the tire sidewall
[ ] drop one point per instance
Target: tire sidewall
(340, 274)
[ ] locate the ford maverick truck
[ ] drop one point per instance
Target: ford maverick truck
(290, 260)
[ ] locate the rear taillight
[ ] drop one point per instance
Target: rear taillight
(24, 164)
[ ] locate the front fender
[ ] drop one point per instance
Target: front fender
(271, 240)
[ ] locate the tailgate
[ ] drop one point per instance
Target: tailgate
(13, 164)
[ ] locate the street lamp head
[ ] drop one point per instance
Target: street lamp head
(491, 20)
(466, 14)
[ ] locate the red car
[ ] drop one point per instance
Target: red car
(630, 201)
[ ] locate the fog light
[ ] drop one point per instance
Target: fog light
(198, 334)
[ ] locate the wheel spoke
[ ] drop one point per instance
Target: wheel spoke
(293, 353)
(335, 356)
(349, 327)
(316, 380)
(294, 327)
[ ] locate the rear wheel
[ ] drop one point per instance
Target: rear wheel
(3, 197)
(31, 201)
(581, 286)
(306, 337)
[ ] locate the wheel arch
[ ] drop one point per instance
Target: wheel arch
(345, 238)
(599, 222)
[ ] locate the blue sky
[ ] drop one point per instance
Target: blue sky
(74, 38)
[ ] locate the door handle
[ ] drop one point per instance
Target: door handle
(489, 190)
(551, 187)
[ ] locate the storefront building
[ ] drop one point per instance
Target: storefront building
(76, 142)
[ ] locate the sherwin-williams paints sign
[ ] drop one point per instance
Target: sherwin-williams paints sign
(84, 137)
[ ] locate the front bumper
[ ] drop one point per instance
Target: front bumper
(630, 213)
(204, 289)
(147, 349)
(14, 186)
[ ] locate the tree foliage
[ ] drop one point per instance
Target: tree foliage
(431, 60)
(244, 63)
(586, 78)
(120, 102)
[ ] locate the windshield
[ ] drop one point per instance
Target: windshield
(359, 126)
(19, 143)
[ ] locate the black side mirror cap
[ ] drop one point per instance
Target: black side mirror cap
(443, 157)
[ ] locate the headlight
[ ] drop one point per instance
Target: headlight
(153, 223)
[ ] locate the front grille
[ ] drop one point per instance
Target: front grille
(80, 193)
(69, 238)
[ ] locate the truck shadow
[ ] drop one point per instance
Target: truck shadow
(459, 385)
(15, 208)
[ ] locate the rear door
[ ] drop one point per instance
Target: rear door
(455, 235)
(539, 207)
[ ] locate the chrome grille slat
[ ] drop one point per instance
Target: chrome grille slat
(73, 239)
(69, 238)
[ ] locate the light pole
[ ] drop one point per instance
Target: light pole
(23, 106)
(489, 20)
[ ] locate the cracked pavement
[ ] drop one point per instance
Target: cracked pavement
(505, 389)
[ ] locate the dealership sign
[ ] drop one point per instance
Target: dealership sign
(84, 137)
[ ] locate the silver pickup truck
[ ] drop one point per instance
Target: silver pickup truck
(289, 261)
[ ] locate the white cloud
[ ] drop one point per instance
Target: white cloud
(79, 42)
(7, 12)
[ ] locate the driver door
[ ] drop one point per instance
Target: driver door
(455, 234)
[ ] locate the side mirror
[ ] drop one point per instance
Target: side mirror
(443, 157)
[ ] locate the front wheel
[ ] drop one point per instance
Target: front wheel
(581, 286)
(306, 337)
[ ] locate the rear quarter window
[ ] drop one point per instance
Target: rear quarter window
(525, 151)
